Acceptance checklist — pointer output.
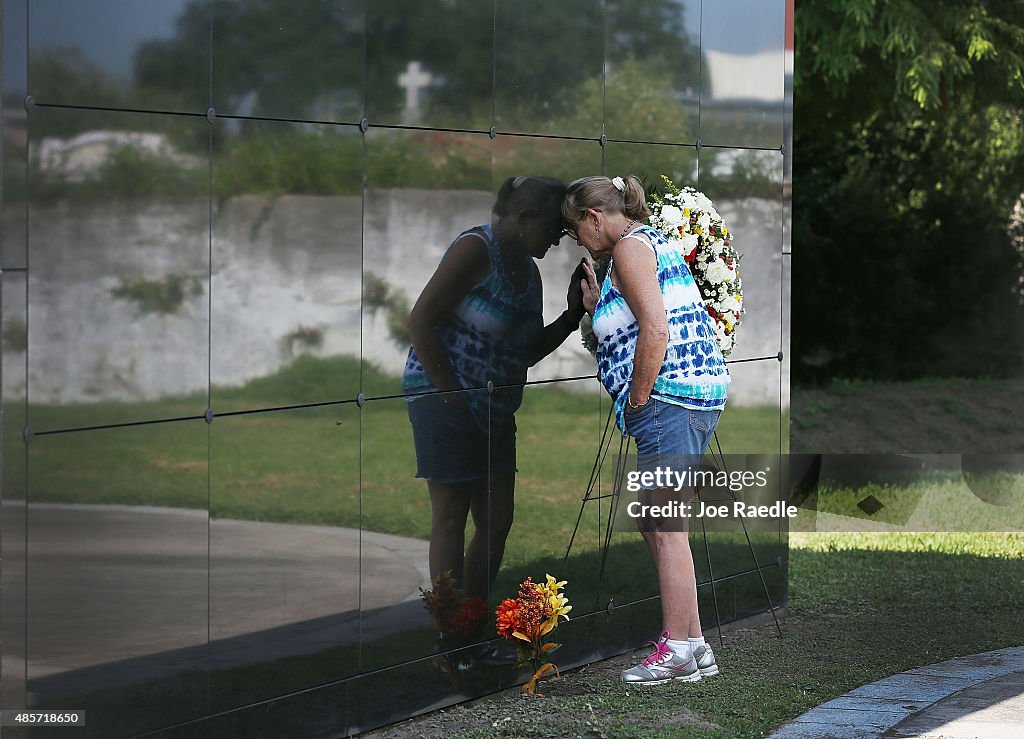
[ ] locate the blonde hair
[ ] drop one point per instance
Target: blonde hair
(600, 192)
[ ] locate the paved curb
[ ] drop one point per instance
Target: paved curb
(874, 709)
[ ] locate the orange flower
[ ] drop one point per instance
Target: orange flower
(508, 618)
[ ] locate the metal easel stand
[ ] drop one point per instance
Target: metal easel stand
(618, 479)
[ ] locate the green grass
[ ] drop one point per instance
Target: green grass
(330, 465)
(938, 501)
(928, 416)
(862, 606)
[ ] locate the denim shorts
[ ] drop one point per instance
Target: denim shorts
(451, 446)
(669, 435)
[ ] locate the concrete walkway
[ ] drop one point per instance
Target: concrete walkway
(119, 594)
(978, 697)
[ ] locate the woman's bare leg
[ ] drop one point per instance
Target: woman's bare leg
(449, 511)
(492, 518)
(678, 584)
(673, 560)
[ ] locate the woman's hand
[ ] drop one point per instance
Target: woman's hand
(574, 295)
(589, 288)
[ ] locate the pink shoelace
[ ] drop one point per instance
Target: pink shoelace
(661, 651)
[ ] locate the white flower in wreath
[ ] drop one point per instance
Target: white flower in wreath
(703, 202)
(688, 243)
(671, 216)
(704, 221)
(717, 272)
(731, 304)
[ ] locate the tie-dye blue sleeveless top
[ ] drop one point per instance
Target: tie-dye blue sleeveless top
(694, 374)
(489, 337)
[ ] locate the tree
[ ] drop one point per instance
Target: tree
(283, 56)
(907, 160)
(913, 56)
(289, 58)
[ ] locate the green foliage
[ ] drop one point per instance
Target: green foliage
(398, 319)
(130, 172)
(750, 174)
(265, 57)
(379, 295)
(308, 377)
(127, 172)
(429, 159)
(638, 95)
(65, 69)
(15, 338)
(270, 64)
(267, 64)
(375, 292)
(912, 51)
(163, 297)
(303, 338)
(298, 162)
(908, 159)
(64, 72)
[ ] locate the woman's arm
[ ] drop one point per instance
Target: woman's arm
(464, 265)
(556, 332)
(636, 268)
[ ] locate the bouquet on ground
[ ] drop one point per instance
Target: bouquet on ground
(528, 621)
(688, 219)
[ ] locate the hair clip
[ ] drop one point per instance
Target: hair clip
(619, 184)
(518, 181)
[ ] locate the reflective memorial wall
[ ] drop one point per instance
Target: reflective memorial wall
(217, 217)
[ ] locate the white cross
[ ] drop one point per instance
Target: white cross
(413, 79)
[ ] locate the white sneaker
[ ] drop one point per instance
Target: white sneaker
(706, 661)
(663, 665)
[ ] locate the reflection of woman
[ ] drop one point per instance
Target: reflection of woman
(478, 323)
(659, 359)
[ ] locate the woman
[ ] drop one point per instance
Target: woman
(479, 324)
(659, 359)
